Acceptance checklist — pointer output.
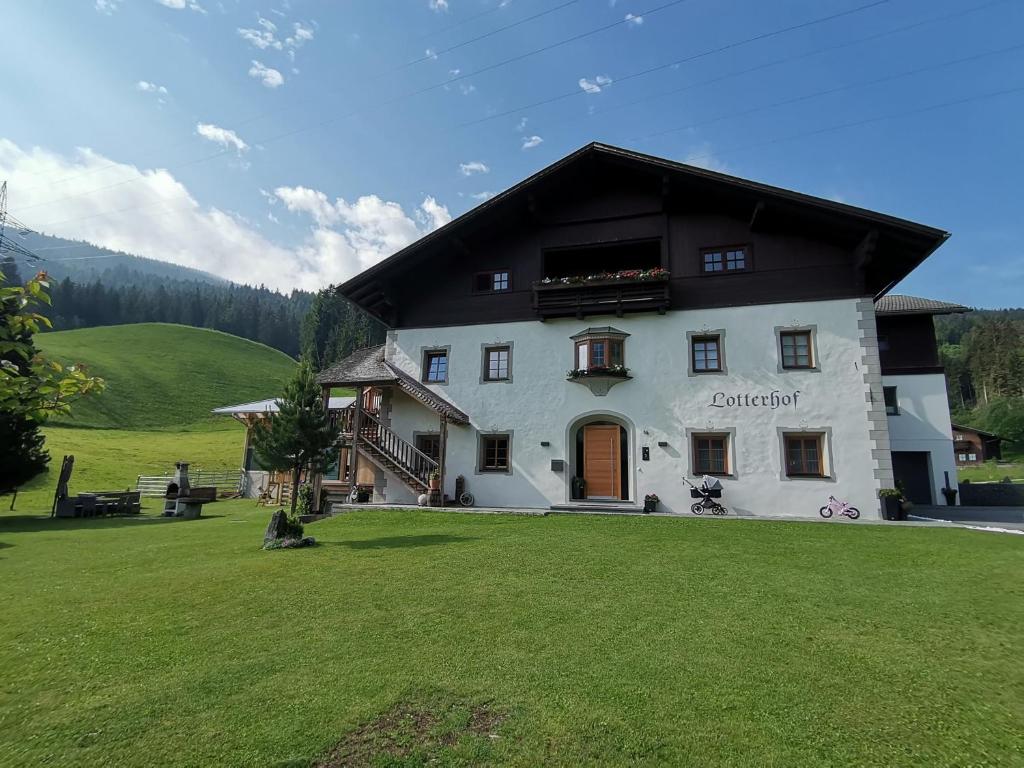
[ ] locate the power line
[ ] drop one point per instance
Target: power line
(393, 100)
(720, 78)
(859, 123)
(829, 91)
(433, 55)
(657, 68)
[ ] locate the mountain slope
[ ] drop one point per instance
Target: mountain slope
(162, 376)
(84, 262)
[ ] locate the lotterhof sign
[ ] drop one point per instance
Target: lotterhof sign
(772, 400)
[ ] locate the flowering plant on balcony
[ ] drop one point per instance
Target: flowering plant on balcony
(655, 273)
(620, 371)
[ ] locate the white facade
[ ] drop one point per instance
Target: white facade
(755, 401)
(922, 425)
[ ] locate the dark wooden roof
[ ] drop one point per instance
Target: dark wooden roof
(975, 430)
(892, 246)
(367, 367)
(899, 304)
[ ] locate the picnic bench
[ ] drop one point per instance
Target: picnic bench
(94, 504)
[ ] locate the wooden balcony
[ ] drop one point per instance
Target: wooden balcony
(600, 297)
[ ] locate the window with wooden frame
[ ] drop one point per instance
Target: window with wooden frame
(600, 352)
(429, 443)
(711, 454)
(804, 455)
(706, 353)
(796, 349)
(497, 363)
(496, 281)
(892, 403)
(435, 366)
(495, 453)
(724, 260)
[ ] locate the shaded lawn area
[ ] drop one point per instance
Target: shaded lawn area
(606, 641)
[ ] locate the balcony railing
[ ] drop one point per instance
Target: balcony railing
(600, 297)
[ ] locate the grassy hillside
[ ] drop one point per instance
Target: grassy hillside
(166, 376)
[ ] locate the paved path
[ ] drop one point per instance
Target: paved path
(999, 515)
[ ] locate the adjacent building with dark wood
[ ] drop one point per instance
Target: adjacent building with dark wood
(975, 446)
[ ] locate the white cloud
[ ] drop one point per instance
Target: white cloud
(150, 213)
(430, 54)
(634, 21)
(438, 6)
(454, 72)
(595, 85)
(349, 237)
(270, 77)
(703, 156)
(481, 196)
(266, 37)
(180, 5)
(106, 7)
(260, 38)
(473, 167)
(299, 37)
(529, 142)
(522, 124)
(147, 87)
(466, 88)
(223, 136)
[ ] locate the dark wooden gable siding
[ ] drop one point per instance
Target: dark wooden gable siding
(912, 347)
(797, 253)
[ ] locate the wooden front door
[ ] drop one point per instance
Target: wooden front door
(602, 469)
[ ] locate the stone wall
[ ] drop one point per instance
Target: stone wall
(992, 494)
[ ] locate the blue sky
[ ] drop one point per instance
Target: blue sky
(294, 143)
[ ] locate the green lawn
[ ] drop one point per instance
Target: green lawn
(604, 641)
(994, 472)
(110, 459)
(162, 376)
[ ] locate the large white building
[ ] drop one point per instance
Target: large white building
(617, 323)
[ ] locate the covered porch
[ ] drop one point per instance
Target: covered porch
(369, 449)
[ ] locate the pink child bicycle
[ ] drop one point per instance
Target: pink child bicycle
(841, 508)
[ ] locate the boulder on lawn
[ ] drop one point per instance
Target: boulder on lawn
(277, 528)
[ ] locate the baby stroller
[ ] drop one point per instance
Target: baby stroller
(709, 490)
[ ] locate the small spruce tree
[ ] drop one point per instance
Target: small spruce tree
(298, 437)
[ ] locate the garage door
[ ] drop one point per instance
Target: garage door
(913, 474)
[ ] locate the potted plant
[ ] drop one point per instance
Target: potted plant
(435, 480)
(950, 495)
(905, 504)
(579, 488)
(363, 494)
(651, 503)
(891, 499)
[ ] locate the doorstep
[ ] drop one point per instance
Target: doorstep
(598, 508)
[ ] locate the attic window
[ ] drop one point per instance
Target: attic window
(725, 259)
(497, 281)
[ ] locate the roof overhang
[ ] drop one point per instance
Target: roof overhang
(895, 246)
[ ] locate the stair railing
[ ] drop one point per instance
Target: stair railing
(397, 449)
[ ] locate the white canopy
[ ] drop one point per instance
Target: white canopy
(270, 406)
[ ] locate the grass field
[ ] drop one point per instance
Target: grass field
(111, 459)
(994, 472)
(162, 382)
(163, 376)
(603, 641)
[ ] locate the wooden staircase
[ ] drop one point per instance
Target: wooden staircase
(387, 450)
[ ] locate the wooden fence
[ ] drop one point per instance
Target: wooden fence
(223, 479)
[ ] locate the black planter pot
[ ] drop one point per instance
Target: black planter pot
(890, 508)
(650, 506)
(950, 494)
